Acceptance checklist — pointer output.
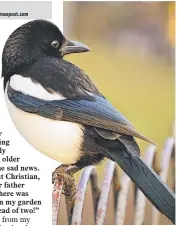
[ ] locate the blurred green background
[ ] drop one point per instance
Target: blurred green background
(132, 59)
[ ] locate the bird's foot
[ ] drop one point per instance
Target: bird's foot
(65, 173)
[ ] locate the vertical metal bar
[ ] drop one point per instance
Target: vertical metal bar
(96, 191)
(80, 195)
(102, 203)
(140, 198)
(56, 197)
(122, 200)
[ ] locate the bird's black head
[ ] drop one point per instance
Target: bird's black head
(32, 41)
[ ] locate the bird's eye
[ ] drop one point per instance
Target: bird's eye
(55, 44)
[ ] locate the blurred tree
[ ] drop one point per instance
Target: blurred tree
(171, 23)
(140, 26)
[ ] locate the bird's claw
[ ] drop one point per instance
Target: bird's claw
(65, 174)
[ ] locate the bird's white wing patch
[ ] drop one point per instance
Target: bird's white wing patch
(27, 86)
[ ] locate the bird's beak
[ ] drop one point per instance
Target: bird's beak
(74, 47)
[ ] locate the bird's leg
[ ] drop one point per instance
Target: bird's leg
(65, 172)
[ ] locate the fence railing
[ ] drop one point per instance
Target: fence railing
(121, 186)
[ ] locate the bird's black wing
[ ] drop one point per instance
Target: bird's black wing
(110, 125)
(83, 104)
(96, 111)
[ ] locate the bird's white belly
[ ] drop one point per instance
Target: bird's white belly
(59, 140)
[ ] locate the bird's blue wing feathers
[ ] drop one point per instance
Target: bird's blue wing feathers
(97, 112)
(99, 107)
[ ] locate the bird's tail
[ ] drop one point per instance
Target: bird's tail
(144, 177)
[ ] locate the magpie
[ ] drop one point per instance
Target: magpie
(60, 111)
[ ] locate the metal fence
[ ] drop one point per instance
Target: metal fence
(121, 185)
